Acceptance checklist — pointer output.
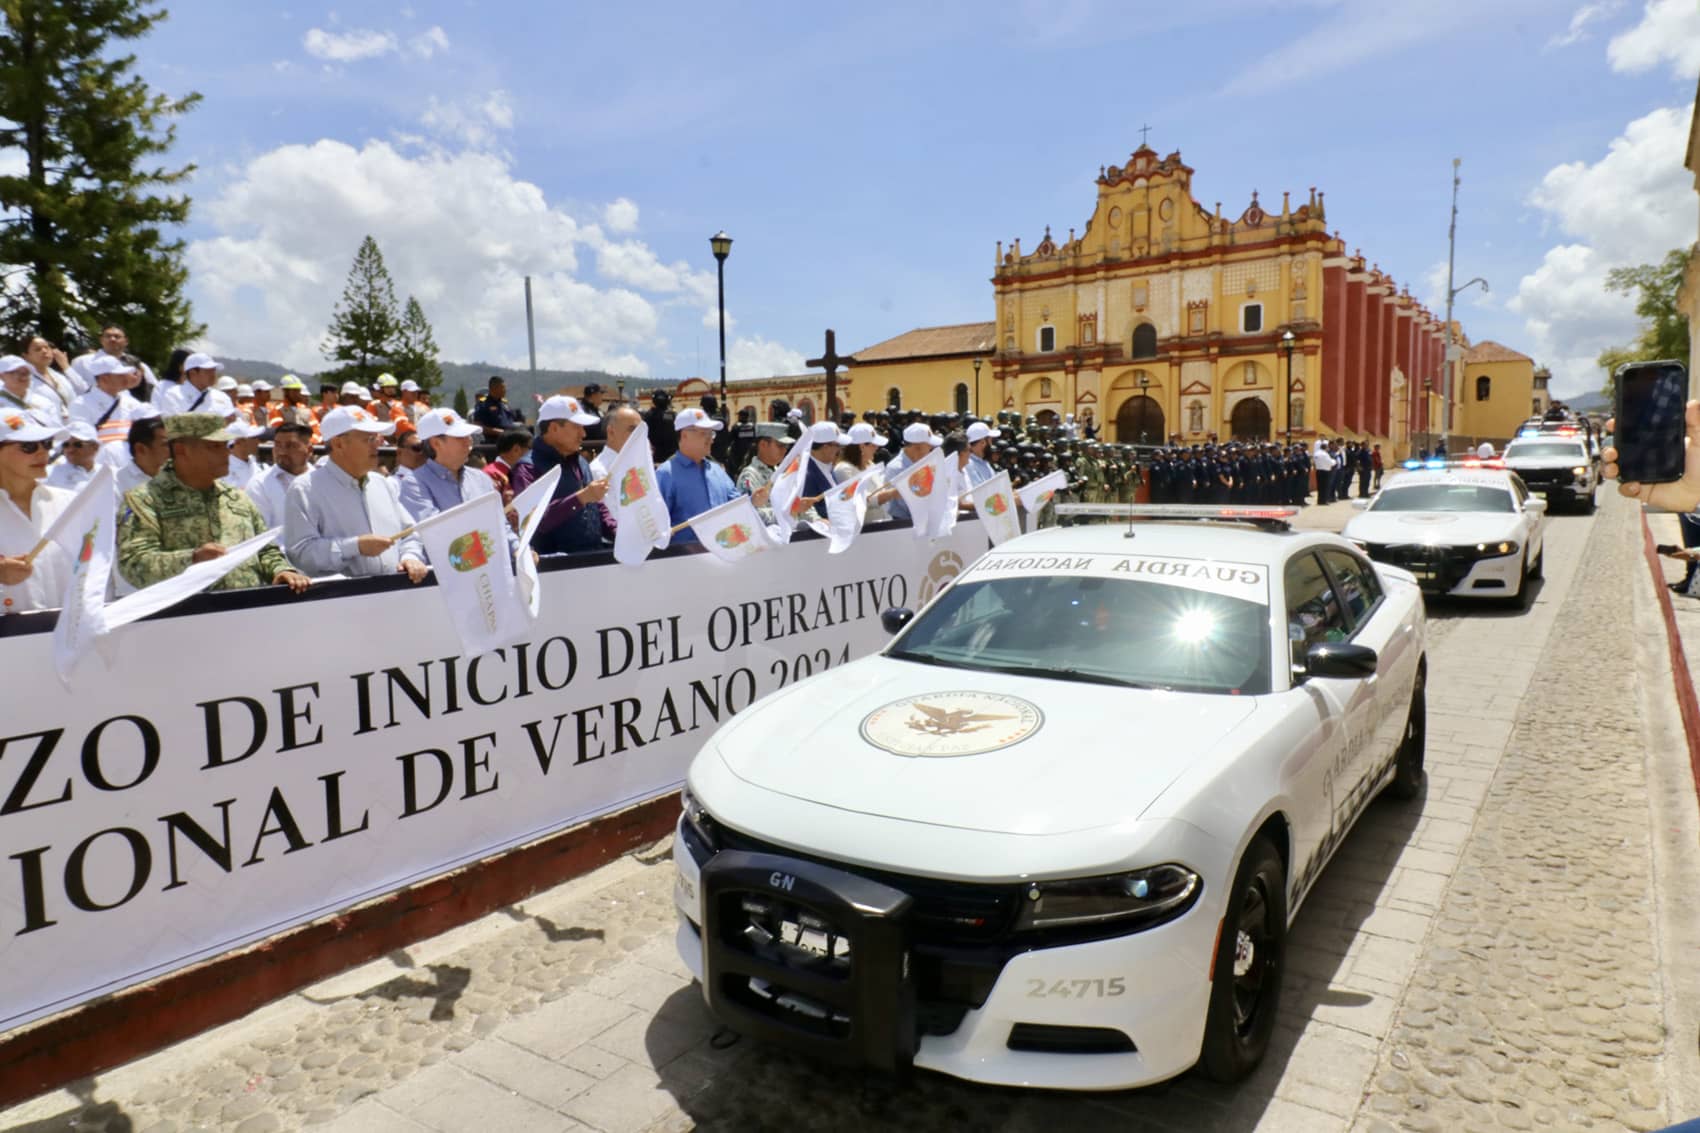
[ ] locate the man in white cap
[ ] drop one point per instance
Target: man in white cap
(244, 445)
(411, 403)
(198, 392)
(575, 518)
(825, 443)
(296, 409)
(918, 440)
(352, 393)
(28, 508)
(690, 481)
(21, 391)
(77, 450)
(260, 409)
(109, 406)
(244, 398)
(342, 518)
(445, 481)
(980, 438)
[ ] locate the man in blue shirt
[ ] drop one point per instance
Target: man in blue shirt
(445, 481)
(980, 438)
(690, 482)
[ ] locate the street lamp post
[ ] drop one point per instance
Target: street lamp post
(976, 387)
(1451, 352)
(722, 246)
(1287, 344)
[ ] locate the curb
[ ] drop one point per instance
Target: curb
(1686, 701)
(139, 1020)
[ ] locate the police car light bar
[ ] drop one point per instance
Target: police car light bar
(1440, 465)
(1280, 517)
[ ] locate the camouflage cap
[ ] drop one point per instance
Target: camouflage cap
(196, 427)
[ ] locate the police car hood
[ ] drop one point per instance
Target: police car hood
(974, 750)
(1515, 461)
(1442, 528)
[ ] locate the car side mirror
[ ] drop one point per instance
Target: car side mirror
(1360, 503)
(1535, 504)
(1340, 659)
(896, 618)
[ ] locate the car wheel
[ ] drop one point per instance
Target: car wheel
(1250, 958)
(1408, 762)
(1540, 570)
(1590, 501)
(1525, 592)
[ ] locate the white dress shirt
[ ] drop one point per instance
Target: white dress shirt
(37, 400)
(63, 474)
(269, 489)
(182, 396)
(19, 533)
(241, 472)
(327, 512)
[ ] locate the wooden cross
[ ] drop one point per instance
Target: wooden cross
(1143, 132)
(829, 361)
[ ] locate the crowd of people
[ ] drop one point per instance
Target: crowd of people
(354, 469)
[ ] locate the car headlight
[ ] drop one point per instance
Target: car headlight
(1138, 900)
(1493, 550)
(698, 819)
(1579, 473)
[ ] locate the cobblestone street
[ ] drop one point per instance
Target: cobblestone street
(1502, 953)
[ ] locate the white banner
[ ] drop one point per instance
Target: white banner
(85, 530)
(994, 503)
(468, 550)
(528, 507)
(195, 805)
(167, 592)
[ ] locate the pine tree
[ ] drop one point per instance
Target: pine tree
(415, 355)
(461, 406)
(84, 239)
(364, 327)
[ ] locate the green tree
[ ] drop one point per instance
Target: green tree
(1664, 334)
(364, 327)
(415, 354)
(461, 406)
(82, 228)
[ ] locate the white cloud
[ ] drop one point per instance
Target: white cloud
(457, 229)
(1584, 16)
(1630, 207)
(631, 262)
(472, 121)
(620, 216)
(347, 47)
(1669, 32)
(756, 357)
(432, 41)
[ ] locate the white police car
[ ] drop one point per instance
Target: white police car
(1558, 462)
(1055, 833)
(1469, 529)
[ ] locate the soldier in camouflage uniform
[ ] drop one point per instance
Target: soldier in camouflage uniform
(756, 478)
(186, 515)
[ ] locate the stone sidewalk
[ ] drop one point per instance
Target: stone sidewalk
(1444, 929)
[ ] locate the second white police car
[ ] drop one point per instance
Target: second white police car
(1055, 833)
(1469, 529)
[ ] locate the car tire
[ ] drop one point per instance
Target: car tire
(1540, 570)
(1408, 761)
(1590, 501)
(1245, 989)
(1525, 592)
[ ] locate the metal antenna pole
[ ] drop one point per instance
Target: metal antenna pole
(1447, 372)
(530, 330)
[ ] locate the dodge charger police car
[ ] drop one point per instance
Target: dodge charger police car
(1468, 530)
(1054, 834)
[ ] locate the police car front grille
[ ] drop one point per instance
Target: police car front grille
(1546, 477)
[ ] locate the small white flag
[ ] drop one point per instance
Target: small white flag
(194, 579)
(468, 550)
(734, 530)
(530, 507)
(847, 508)
(641, 522)
(926, 487)
(994, 503)
(785, 492)
(85, 531)
(1036, 495)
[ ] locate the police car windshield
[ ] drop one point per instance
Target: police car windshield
(1444, 497)
(1542, 450)
(1097, 630)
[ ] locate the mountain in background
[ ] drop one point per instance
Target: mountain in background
(475, 376)
(1594, 402)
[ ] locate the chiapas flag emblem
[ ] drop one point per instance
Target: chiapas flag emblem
(921, 481)
(633, 487)
(733, 535)
(87, 552)
(470, 551)
(997, 505)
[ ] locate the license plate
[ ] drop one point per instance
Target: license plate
(814, 941)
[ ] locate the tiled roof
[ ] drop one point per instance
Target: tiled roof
(1489, 351)
(929, 342)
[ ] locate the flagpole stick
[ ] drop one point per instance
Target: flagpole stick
(678, 527)
(403, 533)
(29, 559)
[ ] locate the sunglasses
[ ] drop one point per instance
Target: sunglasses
(30, 448)
(413, 448)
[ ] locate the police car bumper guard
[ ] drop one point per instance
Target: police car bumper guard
(1461, 571)
(886, 999)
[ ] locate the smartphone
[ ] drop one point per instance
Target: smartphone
(1651, 397)
(1667, 549)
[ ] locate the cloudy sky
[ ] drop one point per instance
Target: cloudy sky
(866, 158)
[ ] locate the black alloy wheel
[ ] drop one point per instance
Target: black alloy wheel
(1250, 959)
(1408, 763)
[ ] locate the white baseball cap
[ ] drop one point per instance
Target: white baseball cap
(794, 415)
(11, 362)
(144, 409)
(352, 418)
(862, 433)
(919, 433)
(410, 386)
(979, 431)
(696, 419)
(564, 408)
(240, 430)
(446, 423)
(103, 363)
(351, 389)
(26, 427)
(201, 362)
(261, 386)
(225, 383)
(80, 431)
(826, 433)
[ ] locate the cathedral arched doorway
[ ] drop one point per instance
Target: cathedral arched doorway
(1048, 418)
(1250, 420)
(1139, 421)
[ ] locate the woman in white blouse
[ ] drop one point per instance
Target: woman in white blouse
(858, 456)
(27, 508)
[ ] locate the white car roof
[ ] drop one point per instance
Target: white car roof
(1187, 539)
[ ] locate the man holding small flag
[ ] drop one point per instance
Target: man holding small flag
(575, 518)
(475, 573)
(733, 531)
(691, 482)
(343, 517)
(994, 503)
